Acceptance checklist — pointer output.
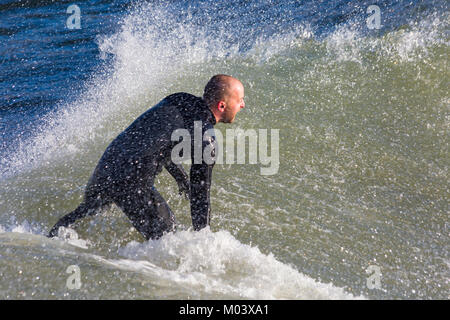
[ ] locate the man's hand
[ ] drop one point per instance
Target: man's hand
(185, 187)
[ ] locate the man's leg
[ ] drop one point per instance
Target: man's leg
(147, 210)
(90, 206)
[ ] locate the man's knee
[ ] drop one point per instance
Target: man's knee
(147, 210)
(151, 226)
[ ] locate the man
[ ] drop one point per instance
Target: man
(125, 174)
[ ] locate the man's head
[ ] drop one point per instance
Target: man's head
(225, 97)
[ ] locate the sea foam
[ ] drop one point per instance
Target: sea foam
(216, 262)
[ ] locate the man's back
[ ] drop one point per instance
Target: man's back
(141, 150)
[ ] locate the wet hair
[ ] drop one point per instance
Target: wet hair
(216, 88)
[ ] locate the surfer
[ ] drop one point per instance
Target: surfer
(126, 172)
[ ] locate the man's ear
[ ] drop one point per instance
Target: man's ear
(221, 106)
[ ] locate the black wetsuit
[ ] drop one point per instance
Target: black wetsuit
(125, 174)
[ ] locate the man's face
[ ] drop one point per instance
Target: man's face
(234, 102)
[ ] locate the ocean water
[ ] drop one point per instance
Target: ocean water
(358, 207)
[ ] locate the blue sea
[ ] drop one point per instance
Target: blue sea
(358, 207)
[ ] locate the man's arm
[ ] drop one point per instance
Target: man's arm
(200, 177)
(200, 187)
(181, 177)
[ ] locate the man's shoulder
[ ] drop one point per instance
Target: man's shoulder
(191, 107)
(180, 98)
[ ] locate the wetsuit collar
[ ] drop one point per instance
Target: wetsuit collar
(210, 117)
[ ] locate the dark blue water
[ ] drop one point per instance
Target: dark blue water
(43, 63)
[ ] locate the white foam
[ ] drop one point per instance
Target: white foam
(216, 262)
(67, 235)
(347, 42)
(71, 236)
(23, 227)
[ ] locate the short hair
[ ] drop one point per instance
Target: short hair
(216, 88)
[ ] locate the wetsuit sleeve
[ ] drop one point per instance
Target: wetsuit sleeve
(200, 177)
(181, 177)
(177, 172)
